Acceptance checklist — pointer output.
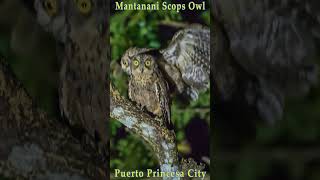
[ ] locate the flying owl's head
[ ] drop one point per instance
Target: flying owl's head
(143, 66)
(72, 18)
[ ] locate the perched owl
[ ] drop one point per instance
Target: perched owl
(263, 51)
(185, 63)
(148, 88)
(79, 27)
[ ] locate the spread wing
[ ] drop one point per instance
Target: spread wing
(189, 51)
(273, 44)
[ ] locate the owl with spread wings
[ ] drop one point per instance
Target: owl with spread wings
(183, 65)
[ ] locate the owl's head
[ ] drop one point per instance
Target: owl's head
(88, 20)
(72, 18)
(143, 65)
(126, 60)
(51, 15)
(129, 55)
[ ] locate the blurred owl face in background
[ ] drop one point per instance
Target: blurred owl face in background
(143, 66)
(125, 65)
(87, 20)
(126, 62)
(82, 19)
(51, 14)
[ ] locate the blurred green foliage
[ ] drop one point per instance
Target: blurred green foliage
(137, 28)
(141, 29)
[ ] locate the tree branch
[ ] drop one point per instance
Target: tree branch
(161, 140)
(33, 146)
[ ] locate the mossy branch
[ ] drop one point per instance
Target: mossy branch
(157, 135)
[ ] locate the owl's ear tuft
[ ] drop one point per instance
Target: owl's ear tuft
(29, 4)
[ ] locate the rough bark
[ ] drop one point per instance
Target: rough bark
(156, 134)
(33, 146)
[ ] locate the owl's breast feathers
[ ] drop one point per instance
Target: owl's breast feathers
(142, 92)
(151, 92)
(83, 87)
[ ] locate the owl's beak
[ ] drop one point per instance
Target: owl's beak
(141, 70)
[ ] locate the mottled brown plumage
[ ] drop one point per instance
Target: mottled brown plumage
(148, 88)
(263, 51)
(185, 63)
(189, 52)
(79, 26)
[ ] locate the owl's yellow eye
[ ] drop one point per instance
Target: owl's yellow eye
(51, 7)
(84, 6)
(147, 63)
(136, 63)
